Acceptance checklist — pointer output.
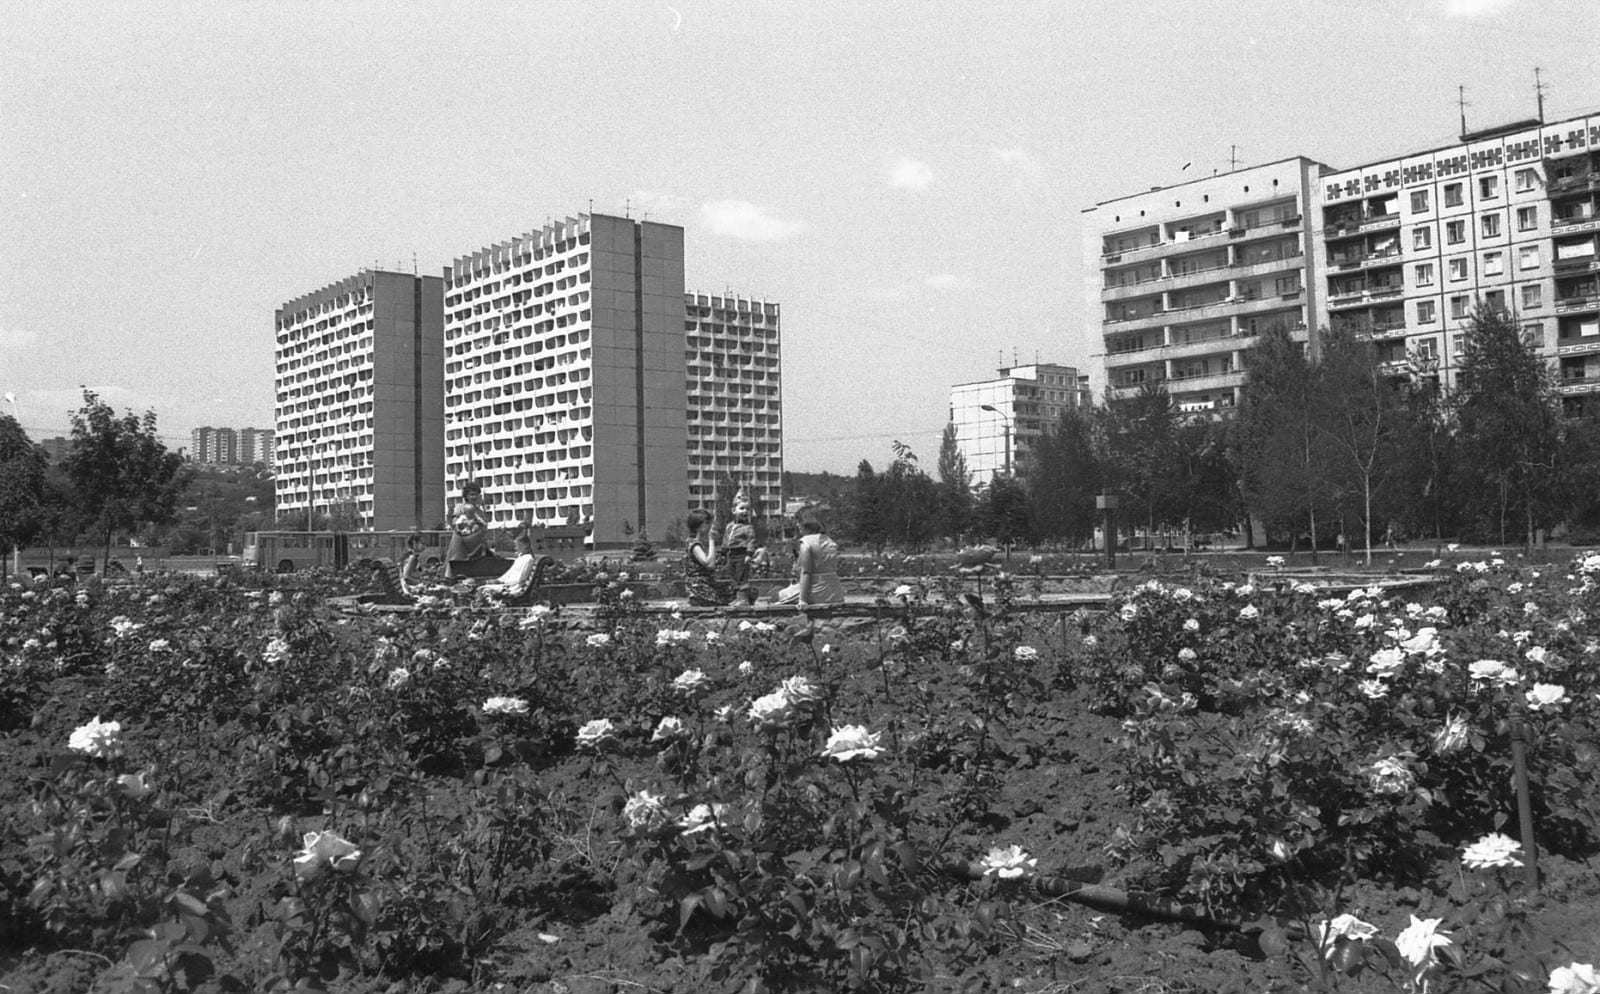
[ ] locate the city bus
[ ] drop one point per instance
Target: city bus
(287, 551)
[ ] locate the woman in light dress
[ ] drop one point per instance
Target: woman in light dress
(818, 564)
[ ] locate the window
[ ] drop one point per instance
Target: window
(1533, 334)
(1528, 257)
(1422, 237)
(1457, 342)
(1532, 296)
(1491, 225)
(1452, 195)
(1525, 179)
(1527, 218)
(1425, 274)
(1428, 350)
(1494, 263)
(1460, 306)
(1495, 300)
(1488, 187)
(1455, 232)
(1285, 285)
(1425, 312)
(1458, 269)
(1419, 201)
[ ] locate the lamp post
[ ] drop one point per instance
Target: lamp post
(16, 415)
(1007, 419)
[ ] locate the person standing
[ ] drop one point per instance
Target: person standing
(469, 528)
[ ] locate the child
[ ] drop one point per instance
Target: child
(739, 540)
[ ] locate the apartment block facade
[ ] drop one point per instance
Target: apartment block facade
(564, 386)
(214, 446)
(1506, 217)
(359, 387)
(1184, 279)
(255, 446)
(734, 396)
(998, 420)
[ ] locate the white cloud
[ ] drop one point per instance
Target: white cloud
(943, 281)
(656, 203)
(1468, 10)
(16, 338)
(744, 220)
(909, 174)
(1018, 159)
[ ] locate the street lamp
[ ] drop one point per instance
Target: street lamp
(995, 410)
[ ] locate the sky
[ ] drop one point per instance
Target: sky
(905, 180)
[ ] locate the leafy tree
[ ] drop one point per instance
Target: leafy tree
(1064, 475)
(1509, 418)
(1202, 487)
(866, 508)
(24, 495)
(121, 473)
(908, 501)
(1140, 447)
(1280, 454)
(955, 486)
(1359, 413)
(1003, 510)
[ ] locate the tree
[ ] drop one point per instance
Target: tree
(955, 486)
(1064, 475)
(122, 475)
(1360, 412)
(23, 490)
(866, 508)
(1280, 454)
(1509, 417)
(1139, 436)
(908, 501)
(1003, 510)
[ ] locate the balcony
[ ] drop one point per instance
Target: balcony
(1366, 261)
(1267, 267)
(1226, 345)
(1264, 229)
(1164, 249)
(1578, 347)
(1143, 322)
(1123, 291)
(1577, 303)
(1572, 386)
(1573, 184)
(1208, 381)
(1574, 225)
(1579, 264)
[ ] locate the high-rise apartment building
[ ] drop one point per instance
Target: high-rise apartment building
(564, 376)
(1507, 217)
(1401, 250)
(998, 420)
(255, 446)
(735, 399)
(1184, 279)
(359, 387)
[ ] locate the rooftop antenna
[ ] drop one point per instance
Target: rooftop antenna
(627, 208)
(1461, 100)
(1538, 89)
(1233, 158)
(413, 263)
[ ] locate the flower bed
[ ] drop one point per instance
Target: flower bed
(481, 799)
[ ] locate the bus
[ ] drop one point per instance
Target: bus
(287, 551)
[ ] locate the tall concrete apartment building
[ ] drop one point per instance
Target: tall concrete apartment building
(1506, 217)
(998, 420)
(735, 399)
(1401, 250)
(359, 387)
(214, 446)
(564, 376)
(1185, 278)
(255, 446)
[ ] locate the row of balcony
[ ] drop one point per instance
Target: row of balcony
(1217, 236)
(1240, 269)
(1217, 309)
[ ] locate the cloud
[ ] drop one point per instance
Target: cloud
(743, 220)
(1018, 159)
(655, 202)
(909, 174)
(16, 338)
(1468, 10)
(943, 281)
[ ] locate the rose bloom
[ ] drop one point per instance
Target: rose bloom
(644, 811)
(1186, 655)
(1390, 775)
(536, 616)
(701, 817)
(1419, 940)
(904, 590)
(672, 636)
(1275, 561)
(1451, 736)
(599, 640)
(505, 705)
(1545, 696)
(593, 733)
(1128, 612)
(1536, 655)
(712, 638)
(1192, 625)
(101, 739)
(398, 677)
(689, 682)
(1090, 641)
(133, 787)
(1374, 689)
(1249, 613)
(1025, 653)
(852, 742)
(1343, 927)
(1386, 662)
(799, 690)
(1008, 863)
(771, 709)
(1575, 978)
(323, 850)
(1490, 852)
(670, 729)
(1493, 669)
(746, 668)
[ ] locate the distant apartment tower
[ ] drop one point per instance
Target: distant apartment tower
(255, 446)
(1507, 217)
(735, 400)
(359, 388)
(997, 421)
(57, 448)
(564, 377)
(1184, 279)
